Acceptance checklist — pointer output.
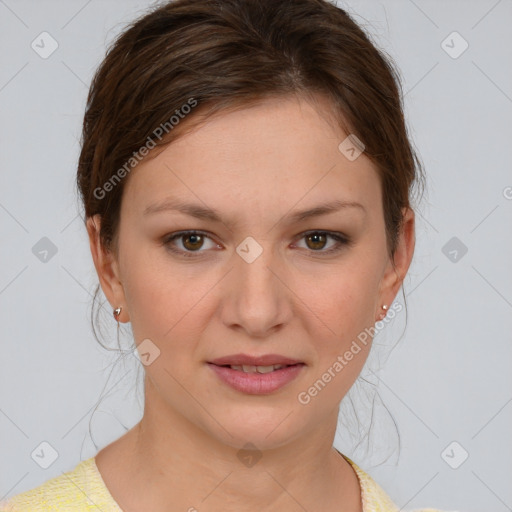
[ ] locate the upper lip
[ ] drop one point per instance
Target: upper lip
(245, 359)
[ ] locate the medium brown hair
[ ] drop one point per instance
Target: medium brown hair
(225, 54)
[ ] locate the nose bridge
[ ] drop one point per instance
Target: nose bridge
(258, 297)
(253, 270)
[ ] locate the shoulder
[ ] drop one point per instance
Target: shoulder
(374, 498)
(80, 489)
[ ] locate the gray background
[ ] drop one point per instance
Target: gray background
(448, 379)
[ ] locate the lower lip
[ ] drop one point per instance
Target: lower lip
(257, 383)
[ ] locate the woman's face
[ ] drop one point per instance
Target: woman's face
(259, 279)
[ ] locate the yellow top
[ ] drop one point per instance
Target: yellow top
(83, 489)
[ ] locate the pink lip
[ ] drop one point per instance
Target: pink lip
(257, 383)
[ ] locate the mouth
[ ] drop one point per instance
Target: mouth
(257, 369)
(256, 375)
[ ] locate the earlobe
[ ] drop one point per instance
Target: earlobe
(398, 267)
(106, 265)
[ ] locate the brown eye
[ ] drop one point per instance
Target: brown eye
(189, 243)
(193, 241)
(317, 240)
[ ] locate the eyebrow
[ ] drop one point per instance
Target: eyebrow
(205, 213)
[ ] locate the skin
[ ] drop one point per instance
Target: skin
(256, 166)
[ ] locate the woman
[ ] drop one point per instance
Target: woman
(246, 178)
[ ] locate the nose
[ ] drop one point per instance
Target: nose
(257, 299)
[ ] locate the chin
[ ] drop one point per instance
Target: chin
(265, 426)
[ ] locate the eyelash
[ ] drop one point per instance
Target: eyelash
(341, 240)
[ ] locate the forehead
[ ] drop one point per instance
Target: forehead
(277, 152)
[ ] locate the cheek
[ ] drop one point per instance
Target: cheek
(152, 294)
(343, 304)
(344, 300)
(166, 304)
(340, 336)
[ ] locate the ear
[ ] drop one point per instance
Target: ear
(394, 274)
(107, 268)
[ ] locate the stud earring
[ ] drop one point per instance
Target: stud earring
(116, 313)
(385, 308)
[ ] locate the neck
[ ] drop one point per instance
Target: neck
(182, 464)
